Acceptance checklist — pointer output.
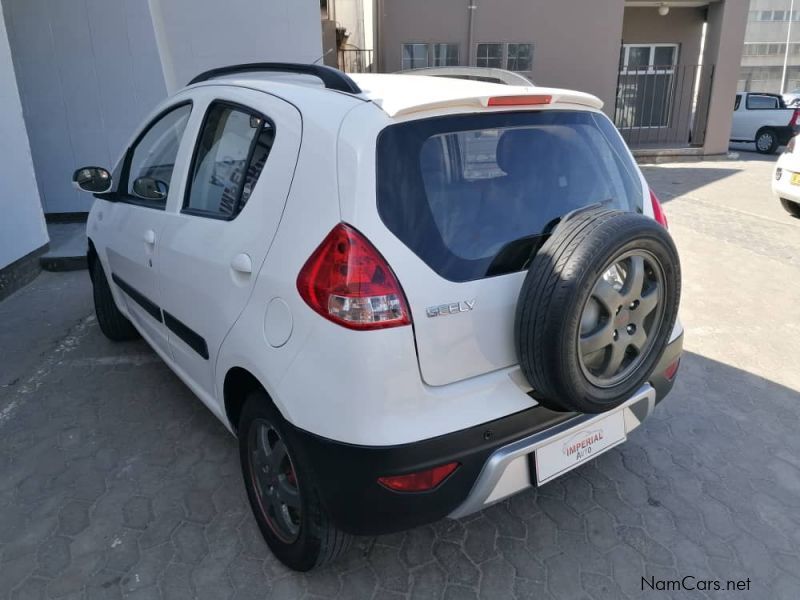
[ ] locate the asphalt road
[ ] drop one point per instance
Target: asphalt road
(116, 482)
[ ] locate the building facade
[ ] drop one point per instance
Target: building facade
(77, 78)
(771, 53)
(658, 66)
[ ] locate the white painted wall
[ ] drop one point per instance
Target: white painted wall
(22, 228)
(197, 35)
(88, 71)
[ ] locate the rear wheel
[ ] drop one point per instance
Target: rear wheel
(596, 309)
(114, 325)
(793, 208)
(766, 141)
(281, 490)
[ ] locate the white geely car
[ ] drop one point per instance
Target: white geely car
(408, 297)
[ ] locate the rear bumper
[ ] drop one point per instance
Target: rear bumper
(492, 456)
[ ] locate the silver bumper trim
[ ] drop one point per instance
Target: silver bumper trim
(499, 478)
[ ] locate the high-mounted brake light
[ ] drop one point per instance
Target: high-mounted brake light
(347, 281)
(419, 482)
(658, 211)
(518, 100)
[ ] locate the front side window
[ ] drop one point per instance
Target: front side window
(473, 195)
(445, 55)
(520, 57)
(415, 56)
(152, 159)
(490, 55)
(232, 149)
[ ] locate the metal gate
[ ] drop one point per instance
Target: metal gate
(663, 106)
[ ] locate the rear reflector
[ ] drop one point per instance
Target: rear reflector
(519, 100)
(672, 370)
(419, 482)
(658, 211)
(347, 281)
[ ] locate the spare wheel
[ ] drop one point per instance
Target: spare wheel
(596, 309)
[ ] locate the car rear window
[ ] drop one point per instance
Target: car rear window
(476, 195)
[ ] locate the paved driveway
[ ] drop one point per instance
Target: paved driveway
(115, 481)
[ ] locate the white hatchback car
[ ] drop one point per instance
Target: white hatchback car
(409, 297)
(786, 179)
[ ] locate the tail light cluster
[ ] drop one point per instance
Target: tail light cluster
(658, 210)
(795, 116)
(347, 281)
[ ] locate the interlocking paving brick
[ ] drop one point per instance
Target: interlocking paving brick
(708, 486)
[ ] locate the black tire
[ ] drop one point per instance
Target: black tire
(555, 294)
(317, 541)
(793, 208)
(114, 325)
(767, 141)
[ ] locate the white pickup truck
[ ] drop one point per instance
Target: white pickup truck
(763, 119)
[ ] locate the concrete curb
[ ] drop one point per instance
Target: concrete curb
(63, 263)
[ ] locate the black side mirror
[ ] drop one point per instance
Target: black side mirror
(150, 188)
(95, 180)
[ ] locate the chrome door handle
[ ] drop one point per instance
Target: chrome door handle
(242, 263)
(150, 237)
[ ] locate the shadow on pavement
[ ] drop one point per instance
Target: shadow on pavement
(115, 479)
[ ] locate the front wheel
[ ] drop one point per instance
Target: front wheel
(793, 208)
(766, 141)
(281, 490)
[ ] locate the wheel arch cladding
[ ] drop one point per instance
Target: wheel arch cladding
(239, 383)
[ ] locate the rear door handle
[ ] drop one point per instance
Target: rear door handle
(150, 237)
(242, 263)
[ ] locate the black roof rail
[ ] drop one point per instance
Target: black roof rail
(334, 79)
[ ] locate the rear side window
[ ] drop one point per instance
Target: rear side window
(755, 102)
(232, 149)
(476, 195)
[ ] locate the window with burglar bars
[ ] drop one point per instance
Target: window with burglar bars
(513, 57)
(646, 90)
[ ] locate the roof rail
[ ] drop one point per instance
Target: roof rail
(334, 79)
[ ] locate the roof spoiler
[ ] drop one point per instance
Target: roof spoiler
(332, 79)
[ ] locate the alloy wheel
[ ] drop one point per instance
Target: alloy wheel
(621, 318)
(275, 481)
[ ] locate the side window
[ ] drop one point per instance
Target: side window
(232, 149)
(755, 102)
(152, 160)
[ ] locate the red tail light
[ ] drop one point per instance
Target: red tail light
(347, 281)
(419, 482)
(795, 116)
(658, 211)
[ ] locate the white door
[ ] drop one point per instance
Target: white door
(217, 236)
(134, 218)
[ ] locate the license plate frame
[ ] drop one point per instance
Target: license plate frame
(577, 447)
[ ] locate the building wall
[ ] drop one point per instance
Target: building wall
(87, 73)
(197, 35)
(584, 58)
(22, 228)
(763, 72)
